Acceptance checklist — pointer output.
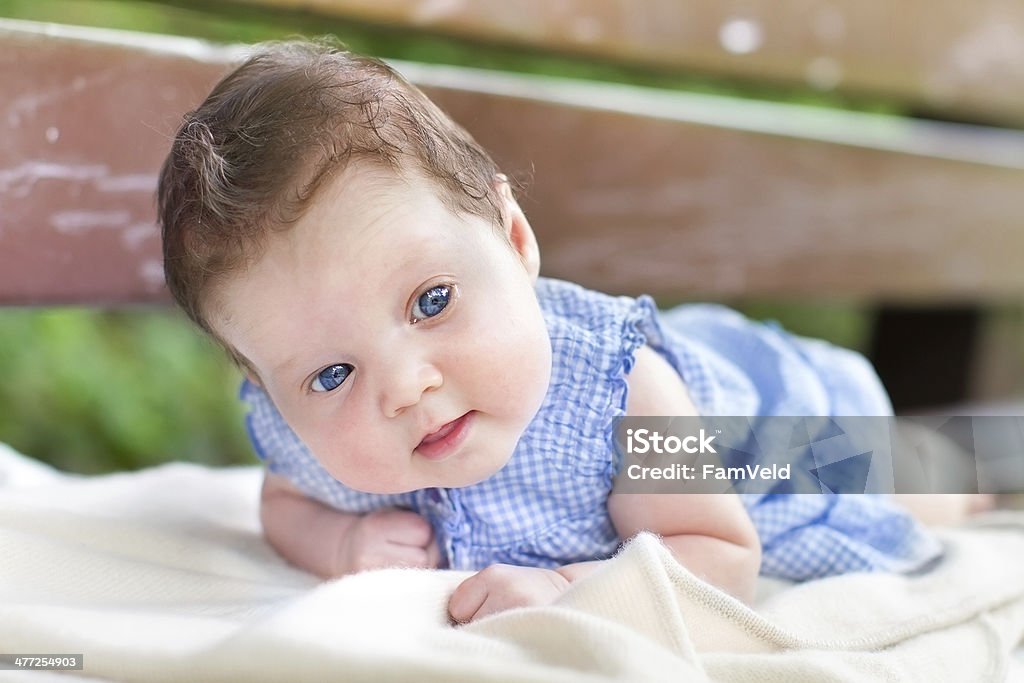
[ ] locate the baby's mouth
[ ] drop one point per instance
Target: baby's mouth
(439, 443)
(444, 431)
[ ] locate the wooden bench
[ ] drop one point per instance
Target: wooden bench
(630, 189)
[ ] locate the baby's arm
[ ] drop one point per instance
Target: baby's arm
(331, 543)
(710, 534)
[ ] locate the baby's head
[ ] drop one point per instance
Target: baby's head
(360, 256)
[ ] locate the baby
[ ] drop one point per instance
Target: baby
(423, 398)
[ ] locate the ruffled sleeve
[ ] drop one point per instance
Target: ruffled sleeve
(594, 340)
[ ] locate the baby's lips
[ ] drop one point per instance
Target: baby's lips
(442, 442)
(441, 432)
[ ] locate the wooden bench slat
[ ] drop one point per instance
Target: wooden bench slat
(966, 59)
(670, 204)
(86, 122)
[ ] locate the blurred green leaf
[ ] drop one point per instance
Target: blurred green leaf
(93, 391)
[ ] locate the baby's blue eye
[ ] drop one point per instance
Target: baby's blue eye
(331, 378)
(431, 302)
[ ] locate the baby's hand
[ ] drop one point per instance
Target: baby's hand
(501, 587)
(389, 537)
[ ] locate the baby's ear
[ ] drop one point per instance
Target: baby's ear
(517, 228)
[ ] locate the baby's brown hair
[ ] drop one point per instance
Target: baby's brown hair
(251, 157)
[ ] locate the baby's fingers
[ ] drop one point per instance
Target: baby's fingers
(410, 556)
(467, 599)
(433, 551)
(400, 526)
(392, 555)
(501, 587)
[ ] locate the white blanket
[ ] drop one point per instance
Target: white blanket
(162, 575)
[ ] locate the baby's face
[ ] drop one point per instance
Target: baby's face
(402, 342)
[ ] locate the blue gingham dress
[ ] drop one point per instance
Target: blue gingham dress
(548, 506)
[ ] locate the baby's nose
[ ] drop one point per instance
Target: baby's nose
(406, 384)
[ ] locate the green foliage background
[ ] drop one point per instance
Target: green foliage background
(92, 391)
(95, 391)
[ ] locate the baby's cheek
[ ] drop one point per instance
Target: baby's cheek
(365, 470)
(347, 460)
(502, 368)
(534, 360)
